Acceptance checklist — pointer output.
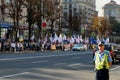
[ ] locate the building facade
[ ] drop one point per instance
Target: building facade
(112, 9)
(84, 9)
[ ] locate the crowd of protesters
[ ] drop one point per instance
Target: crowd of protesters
(46, 43)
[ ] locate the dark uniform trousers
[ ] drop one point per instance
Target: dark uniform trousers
(102, 74)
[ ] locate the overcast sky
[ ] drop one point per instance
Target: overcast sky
(101, 3)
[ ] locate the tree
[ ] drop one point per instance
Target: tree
(30, 5)
(77, 19)
(51, 12)
(115, 25)
(15, 9)
(41, 8)
(2, 12)
(3, 7)
(36, 9)
(101, 26)
(76, 23)
(44, 9)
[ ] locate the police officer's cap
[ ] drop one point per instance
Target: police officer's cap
(101, 44)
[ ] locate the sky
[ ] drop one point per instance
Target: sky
(101, 3)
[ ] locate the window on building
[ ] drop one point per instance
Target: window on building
(70, 10)
(75, 9)
(7, 0)
(70, 0)
(65, 14)
(65, 7)
(65, 0)
(70, 5)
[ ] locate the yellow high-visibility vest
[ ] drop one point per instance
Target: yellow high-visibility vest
(103, 63)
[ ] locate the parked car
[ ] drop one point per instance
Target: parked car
(78, 47)
(116, 55)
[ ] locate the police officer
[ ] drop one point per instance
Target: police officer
(103, 62)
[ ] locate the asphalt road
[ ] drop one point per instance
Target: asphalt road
(51, 65)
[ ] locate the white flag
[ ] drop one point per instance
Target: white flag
(107, 40)
(33, 37)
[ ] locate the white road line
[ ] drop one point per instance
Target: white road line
(41, 56)
(40, 61)
(75, 57)
(115, 68)
(7, 76)
(76, 64)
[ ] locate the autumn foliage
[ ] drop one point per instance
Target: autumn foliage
(100, 25)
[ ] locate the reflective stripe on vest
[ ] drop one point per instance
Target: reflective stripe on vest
(103, 63)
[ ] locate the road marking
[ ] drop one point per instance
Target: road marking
(7, 76)
(40, 61)
(76, 64)
(75, 57)
(115, 68)
(42, 56)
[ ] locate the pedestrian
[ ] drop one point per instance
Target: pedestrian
(103, 62)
